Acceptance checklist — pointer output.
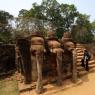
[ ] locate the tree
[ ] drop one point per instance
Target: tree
(82, 32)
(93, 27)
(5, 26)
(52, 11)
(22, 12)
(83, 20)
(59, 17)
(69, 13)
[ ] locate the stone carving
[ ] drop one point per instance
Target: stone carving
(37, 50)
(55, 47)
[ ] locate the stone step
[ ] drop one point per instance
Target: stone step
(79, 57)
(79, 48)
(79, 45)
(82, 73)
(78, 60)
(78, 54)
(91, 66)
(80, 68)
(79, 51)
(92, 62)
(79, 64)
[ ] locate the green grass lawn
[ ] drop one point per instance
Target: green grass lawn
(8, 86)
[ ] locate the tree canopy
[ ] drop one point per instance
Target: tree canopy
(59, 16)
(47, 16)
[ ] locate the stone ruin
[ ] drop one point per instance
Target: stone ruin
(7, 58)
(37, 57)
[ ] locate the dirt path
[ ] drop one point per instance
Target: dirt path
(85, 86)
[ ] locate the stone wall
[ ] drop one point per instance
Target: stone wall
(7, 57)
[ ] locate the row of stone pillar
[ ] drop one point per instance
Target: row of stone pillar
(32, 51)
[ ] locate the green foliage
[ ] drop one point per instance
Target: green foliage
(5, 27)
(59, 18)
(83, 20)
(5, 37)
(4, 17)
(69, 14)
(93, 26)
(81, 34)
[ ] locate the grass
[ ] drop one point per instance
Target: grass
(9, 86)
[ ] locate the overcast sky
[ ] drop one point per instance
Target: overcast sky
(14, 6)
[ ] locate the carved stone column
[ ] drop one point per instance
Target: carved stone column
(59, 66)
(37, 52)
(55, 47)
(70, 46)
(34, 68)
(39, 60)
(24, 48)
(74, 67)
(18, 60)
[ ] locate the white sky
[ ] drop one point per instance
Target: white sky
(14, 6)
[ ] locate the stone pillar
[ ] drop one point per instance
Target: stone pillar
(24, 47)
(37, 51)
(71, 46)
(39, 60)
(55, 47)
(59, 67)
(74, 66)
(18, 60)
(34, 68)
